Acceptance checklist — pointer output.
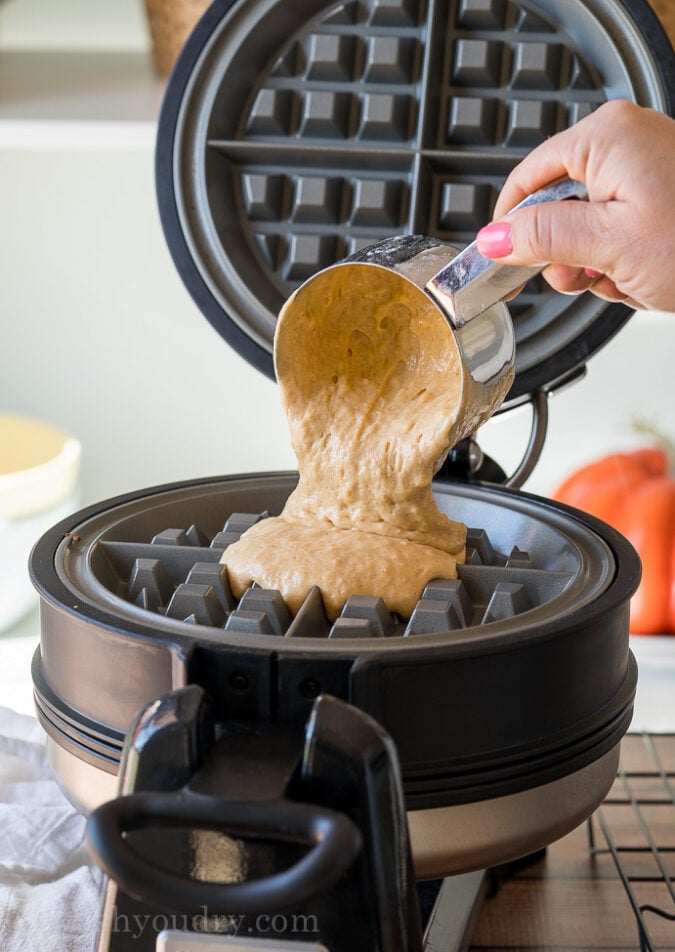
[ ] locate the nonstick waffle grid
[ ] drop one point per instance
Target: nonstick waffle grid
(178, 574)
(436, 80)
(366, 119)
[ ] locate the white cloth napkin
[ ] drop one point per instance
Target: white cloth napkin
(50, 890)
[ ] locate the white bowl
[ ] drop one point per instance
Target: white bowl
(39, 470)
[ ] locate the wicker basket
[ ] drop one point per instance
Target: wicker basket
(665, 11)
(171, 22)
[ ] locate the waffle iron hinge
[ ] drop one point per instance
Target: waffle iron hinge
(466, 461)
(266, 686)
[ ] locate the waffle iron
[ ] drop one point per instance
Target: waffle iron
(292, 135)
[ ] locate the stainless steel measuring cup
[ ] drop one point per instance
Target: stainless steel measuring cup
(467, 287)
(468, 291)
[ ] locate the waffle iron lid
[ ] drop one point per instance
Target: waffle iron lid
(294, 134)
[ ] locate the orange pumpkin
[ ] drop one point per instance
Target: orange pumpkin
(634, 493)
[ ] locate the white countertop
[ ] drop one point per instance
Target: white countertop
(655, 699)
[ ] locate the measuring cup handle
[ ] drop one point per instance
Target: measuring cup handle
(470, 284)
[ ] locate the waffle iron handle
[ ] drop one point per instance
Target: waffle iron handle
(334, 839)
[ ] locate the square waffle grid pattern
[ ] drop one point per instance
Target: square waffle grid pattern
(178, 574)
(390, 116)
(637, 821)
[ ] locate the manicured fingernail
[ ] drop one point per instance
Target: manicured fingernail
(592, 273)
(494, 241)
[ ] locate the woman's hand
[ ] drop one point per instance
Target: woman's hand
(621, 243)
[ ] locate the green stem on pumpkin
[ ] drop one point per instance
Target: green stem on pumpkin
(646, 428)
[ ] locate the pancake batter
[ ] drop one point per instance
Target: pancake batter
(375, 393)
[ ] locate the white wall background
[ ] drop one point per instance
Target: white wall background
(97, 333)
(74, 25)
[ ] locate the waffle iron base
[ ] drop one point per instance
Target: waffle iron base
(507, 692)
(445, 840)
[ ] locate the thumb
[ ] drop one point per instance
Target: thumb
(564, 233)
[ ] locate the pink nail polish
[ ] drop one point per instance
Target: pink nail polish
(592, 273)
(494, 241)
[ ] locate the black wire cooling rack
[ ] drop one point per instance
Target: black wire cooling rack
(637, 821)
